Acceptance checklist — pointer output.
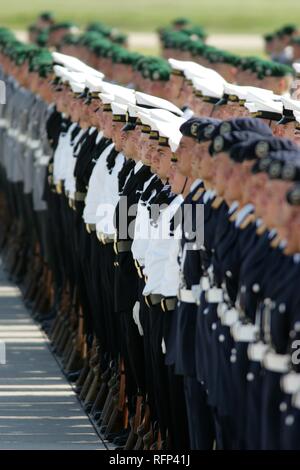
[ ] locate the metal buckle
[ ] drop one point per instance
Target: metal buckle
(163, 305)
(147, 301)
(87, 226)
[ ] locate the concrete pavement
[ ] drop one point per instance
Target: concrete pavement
(38, 408)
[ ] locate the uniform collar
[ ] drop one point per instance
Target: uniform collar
(242, 213)
(91, 130)
(233, 207)
(99, 137)
(195, 184)
(137, 166)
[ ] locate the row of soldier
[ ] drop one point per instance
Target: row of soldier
(160, 252)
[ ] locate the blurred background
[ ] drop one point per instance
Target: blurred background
(235, 25)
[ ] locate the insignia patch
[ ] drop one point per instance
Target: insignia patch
(194, 129)
(198, 194)
(208, 131)
(275, 170)
(218, 143)
(225, 128)
(295, 196)
(264, 163)
(261, 149)
(288, 172)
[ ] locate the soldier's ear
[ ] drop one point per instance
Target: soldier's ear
(282, 84)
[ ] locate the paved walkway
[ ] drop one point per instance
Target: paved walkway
(38, 408)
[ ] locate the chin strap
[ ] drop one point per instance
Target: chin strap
(184, 186)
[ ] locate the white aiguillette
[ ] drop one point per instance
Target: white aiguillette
(290, 383)
(256, 351)
(230, 317)
(186, 295)
(296, 400)
(276, 362)
(244, 333)
(205, 285)
(222, 309)
(197, 291)
(214, 295)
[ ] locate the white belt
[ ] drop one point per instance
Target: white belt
(256, 351)
(3, 123)
(187, 296)
(229, 317)
(41, 158)
(214, 295)
(205, 285)
(33, 144)
(244, 333)
(12, 132)
(290, 383)
(276, 362)
(296, 400)
(22, 138)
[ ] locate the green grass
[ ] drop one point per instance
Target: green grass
(224, 16)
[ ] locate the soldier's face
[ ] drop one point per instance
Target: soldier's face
(278, 212)
(285, 130)
(202, 108)
(223, 172)
(184, 153)
(206, 167)
(164, 163)
(291, 232)
(200, 150)
(233, 191)
(130, 148)
(246, 181)
(116, 135)
(173, 88)
(107, 124)
(153, 155)
(176, 179)
(145, 151)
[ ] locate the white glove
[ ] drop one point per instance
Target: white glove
(136, 317)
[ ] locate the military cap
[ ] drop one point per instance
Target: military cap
(290, 170)
(258, 147)
(46, 16)
(77, 87)
(223, 143)
(42, 38)
(181, 21)
(149, 101)
(265, 109)
(269, 37)
(266, 68)
(211, 89)
(289, 29)
(242, 124)
(194, 32)
(289, 106)
(206, 129)
(196, 48)
(293, 195)
(62, 25)
(191, 127)
(119, 112)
